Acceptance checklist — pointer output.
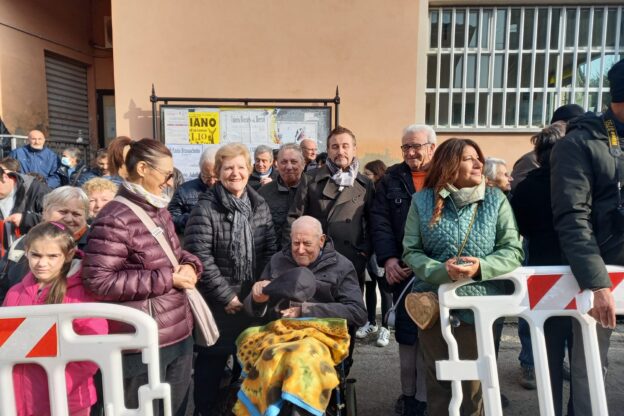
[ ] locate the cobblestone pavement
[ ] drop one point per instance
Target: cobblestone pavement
(377, 373)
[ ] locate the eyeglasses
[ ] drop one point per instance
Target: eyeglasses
(407, 147)
(168, 175)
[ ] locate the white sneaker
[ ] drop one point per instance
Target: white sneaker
(383, 338)
(365, 330)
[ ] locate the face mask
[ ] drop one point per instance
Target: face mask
(65, 161)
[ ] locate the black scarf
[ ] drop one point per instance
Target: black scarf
(241, 249)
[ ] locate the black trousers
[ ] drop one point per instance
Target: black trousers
(209, 371)
(558, 334)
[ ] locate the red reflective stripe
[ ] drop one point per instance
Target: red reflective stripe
(538, 285)
(616, 279)
(47, 345)
(8, 327)
(2, 238)
(572, 304)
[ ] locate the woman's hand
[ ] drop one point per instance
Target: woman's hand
(234, 306)
(184, 277)
(467, 270)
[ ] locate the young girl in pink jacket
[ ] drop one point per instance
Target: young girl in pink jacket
(54, 278)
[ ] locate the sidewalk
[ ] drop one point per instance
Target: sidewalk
(378, 385)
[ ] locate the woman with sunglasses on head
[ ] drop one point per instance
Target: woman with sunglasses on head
(457, 229)
(125, 264)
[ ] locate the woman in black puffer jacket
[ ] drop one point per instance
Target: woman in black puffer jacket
(231, 232)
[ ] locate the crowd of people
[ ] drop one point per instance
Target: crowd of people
(242, 231)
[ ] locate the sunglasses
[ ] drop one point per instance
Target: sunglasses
(168, 175)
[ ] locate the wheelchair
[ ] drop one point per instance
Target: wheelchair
(343, 399)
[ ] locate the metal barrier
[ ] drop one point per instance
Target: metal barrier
(540, 293)
(44, 335)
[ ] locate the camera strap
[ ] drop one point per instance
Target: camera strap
(616, 151)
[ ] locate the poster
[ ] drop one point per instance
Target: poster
(175, 125)
(295, 131)
(250, 127)
(203, 127)
(186, 158)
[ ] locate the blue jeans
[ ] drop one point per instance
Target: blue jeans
(526, 352)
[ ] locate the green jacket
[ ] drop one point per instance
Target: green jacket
(496, 243)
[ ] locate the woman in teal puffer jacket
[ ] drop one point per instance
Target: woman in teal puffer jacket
(457, 228)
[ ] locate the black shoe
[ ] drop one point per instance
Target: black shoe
(504, 401)
(413, 407)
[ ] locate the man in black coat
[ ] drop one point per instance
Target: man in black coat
(393, 197)
(280, 193)
(21, 203)
(587, 167)
(340, 198)
(186, 196)
(337, 294)
(263, 171)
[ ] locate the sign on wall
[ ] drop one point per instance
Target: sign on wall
(188, 131)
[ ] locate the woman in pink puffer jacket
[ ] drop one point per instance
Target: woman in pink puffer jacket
(55, 278)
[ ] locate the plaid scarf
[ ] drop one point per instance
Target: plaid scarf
(343, 178)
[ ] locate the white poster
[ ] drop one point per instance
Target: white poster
(176, 125)
(250, 127)
(186, 158)
(295, 131)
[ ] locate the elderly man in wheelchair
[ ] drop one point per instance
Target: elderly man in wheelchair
(310, 296)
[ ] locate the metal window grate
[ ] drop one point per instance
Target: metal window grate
(511, 67)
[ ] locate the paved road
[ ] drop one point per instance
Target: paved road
(377, 373)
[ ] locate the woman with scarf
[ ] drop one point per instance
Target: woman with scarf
(231, 231)
(125, 264)
(457, 228)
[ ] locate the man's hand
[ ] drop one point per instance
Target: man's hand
(604, 308)
(234, 306)
(15, 219)
(266, 180)
(294, 312)
(256, 291)
(394, 272)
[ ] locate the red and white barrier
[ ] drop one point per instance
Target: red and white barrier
(540, 293)
(44, 335)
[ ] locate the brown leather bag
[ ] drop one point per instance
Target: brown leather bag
(423, 308)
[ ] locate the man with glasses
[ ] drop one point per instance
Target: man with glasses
(186, 196)
(21, 203)
(309, 150)
(388, 215)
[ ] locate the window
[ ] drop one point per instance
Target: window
(512, 67)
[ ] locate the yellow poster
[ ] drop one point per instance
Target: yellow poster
(203, 127)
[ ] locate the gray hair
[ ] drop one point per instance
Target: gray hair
(308, 222)
(290, 146)
(418, 128)
(490, 167)
(75, 153)
(208, 155)
(263, 149)
(60, 196)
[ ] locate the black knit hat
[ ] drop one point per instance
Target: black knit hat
(298, 284)
(567, 112)
(616, 81)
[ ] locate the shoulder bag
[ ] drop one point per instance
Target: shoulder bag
(205, 330)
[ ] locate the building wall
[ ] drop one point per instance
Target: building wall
(274, 48)
(29, 28)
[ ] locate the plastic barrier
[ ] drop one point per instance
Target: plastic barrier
(44, 335)
(540, 293)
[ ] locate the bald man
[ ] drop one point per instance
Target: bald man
(35, 157)
(309, 150)
(338, 293)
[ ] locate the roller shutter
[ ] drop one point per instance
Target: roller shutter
(68, 107)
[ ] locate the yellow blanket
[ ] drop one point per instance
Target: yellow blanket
(290, 359)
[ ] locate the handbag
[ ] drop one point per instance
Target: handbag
(423, 307)
(205, 330)
(391, 314)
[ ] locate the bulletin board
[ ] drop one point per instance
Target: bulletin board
(189, 129)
